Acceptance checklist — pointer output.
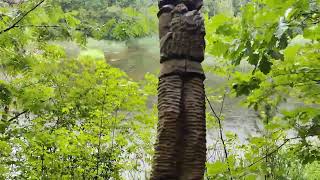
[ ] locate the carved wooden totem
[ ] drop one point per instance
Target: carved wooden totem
(180, 149)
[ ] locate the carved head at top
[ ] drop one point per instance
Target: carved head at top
(191, 4)
(180, 9)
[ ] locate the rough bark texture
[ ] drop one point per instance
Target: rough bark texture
(180, 149)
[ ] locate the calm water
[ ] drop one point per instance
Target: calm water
(141, 56)
(138, 57)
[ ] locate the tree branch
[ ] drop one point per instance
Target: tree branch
(18, 115)
(21, 18)
(221, 133)
(39, 26)
(272, 152)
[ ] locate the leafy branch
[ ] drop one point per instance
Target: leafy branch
(270, 153)
(14, 25)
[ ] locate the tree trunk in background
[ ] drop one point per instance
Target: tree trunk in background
(180, 150)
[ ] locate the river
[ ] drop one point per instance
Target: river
(140, 56)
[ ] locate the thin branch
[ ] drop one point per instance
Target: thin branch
(272, 152)
(18, 115)
(269, 154)
(214, 150)
(221, 133)
(224, 97)
(42, 163)
(39, 26)
(100, 130)
(113, 133)
(113, 129)
(21, 18)
(219, 120)
(314, 71)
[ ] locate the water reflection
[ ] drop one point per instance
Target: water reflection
(135, 57)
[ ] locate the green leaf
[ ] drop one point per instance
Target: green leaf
(216, 168)
(265, 65)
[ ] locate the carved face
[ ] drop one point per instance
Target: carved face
(180, 8)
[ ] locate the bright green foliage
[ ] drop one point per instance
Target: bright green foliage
(66, 118)
(132, 25)
(272, 54)
(229, 7)
(80, 118)
(80, 115)
(115, 20)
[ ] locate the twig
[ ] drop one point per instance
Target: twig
(100, 131)
(113, 128)
(215, 148)
(313, 71)
(42, 162)
(39, 26)
(224, 97)
(220, 126)
(21, 18)
(18, 115)
(221, 133)
(272, 152)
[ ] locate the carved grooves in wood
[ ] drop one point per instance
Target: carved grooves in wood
(181, 144)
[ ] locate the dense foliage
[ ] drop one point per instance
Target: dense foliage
(277, 45)
(65, 118)
(118, 20)
(80, 118)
